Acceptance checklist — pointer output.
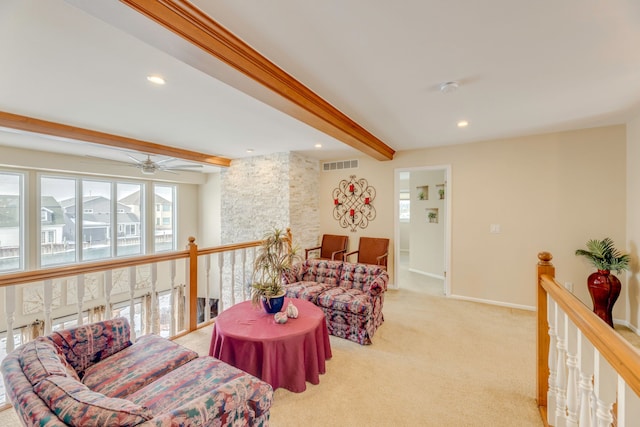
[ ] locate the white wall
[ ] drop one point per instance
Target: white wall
(426, 253)
(631, 292)
(548, 192)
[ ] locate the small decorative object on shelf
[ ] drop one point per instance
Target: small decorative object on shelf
(353, 203)
(292, 311)
(440, 191)
(423, 192)
(432, 215)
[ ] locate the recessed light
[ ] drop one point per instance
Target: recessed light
(448, 87)
(318, 145)
(463, 124)
(156, 79)
(249, 150)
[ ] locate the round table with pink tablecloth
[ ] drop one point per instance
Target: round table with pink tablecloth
(284, 355)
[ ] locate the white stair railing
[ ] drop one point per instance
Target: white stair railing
(588, 375)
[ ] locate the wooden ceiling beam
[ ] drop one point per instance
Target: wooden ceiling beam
(33, 125)
(284, 92)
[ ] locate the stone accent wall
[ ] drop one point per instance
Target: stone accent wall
(279, 190)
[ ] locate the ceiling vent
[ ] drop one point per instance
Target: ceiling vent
(342, 164)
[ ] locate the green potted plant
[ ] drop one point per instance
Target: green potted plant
(604, 287)
(274, 256)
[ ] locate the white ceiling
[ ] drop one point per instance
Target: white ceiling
(524, 67)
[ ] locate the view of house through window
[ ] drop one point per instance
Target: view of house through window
(106, 221)
(11, 221)
(164, 196)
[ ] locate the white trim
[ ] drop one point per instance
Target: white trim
(491, 302)
(424, 273)
(623, 322)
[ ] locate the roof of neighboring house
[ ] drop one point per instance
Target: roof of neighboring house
(52, 205)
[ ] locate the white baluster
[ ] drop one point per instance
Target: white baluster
(48, 303)
(10, 309)
(154, 300)
(561, 370)
(585, 357)
(628, 405)
(244, 274)
(172, 299)
(80, 297)
(233, 277)
(132, 306)
(605, 386)
(207, 267)
(108, 286)
(552, 391)
(220, 266)
(572, 377)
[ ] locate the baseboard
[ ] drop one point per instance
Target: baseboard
(424, 273)
(626, 323)
(491, 302)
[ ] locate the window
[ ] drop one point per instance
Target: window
(405, 206)
(129, 215)
(11, 221)
(164, 195)
(57, 198)
(106, 221)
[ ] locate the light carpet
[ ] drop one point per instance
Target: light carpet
(434, 362)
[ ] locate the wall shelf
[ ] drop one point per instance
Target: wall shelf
(423, 192)
(432, 215)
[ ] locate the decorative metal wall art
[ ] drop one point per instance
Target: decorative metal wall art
(352, 203)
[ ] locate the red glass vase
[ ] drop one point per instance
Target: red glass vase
(604, 289)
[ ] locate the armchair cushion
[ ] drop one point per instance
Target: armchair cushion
(324, 271)
(136, 366)
(346, 300)
(365, 277)
(76, 405)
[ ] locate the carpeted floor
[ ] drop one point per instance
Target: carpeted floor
(434, 362)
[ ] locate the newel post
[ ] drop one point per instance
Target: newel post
(193, 284)
(545, 267)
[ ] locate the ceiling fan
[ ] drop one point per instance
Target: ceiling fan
(149, 167)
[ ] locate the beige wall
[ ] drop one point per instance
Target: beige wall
(548, 192)
(632, 291)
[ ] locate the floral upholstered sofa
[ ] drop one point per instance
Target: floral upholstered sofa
(93, 375)
(351, 295)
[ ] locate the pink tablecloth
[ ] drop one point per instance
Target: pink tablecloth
(284, 355)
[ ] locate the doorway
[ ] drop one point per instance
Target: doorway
(423, 229)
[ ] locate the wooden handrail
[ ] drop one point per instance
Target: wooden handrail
(90, 267)
(622, 356)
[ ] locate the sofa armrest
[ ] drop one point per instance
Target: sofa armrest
(293, 274)
(379, 284)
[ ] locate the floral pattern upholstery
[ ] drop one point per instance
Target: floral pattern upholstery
(352, 303)
(152, 382)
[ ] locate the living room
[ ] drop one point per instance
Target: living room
(540, 187)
